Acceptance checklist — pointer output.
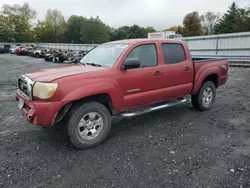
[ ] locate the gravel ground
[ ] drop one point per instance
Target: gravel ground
(177, 147)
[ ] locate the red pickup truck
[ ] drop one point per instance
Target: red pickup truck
(124, 78)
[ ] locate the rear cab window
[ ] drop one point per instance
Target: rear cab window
(173, 53)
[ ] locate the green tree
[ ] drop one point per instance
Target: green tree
(126, 32)
(192, 24)
(173, 28)
(83, 30)
(228, 22)
(5, 29)
(24, 11)
(148, 30)
(39, 34)
(14, 28)
(136, 32)
(178, 29)
(15, 22)
(119, 34)
(75, 29)
(54, 26)
(243, 20)
(94, 31)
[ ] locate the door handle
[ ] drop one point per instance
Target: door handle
(187, 69)
(157, 73)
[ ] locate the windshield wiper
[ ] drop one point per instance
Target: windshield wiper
(94, 64)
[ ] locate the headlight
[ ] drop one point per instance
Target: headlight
(44, 90)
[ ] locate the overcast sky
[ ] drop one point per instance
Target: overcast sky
(160, 14)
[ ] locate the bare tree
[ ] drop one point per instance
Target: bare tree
(208, 21)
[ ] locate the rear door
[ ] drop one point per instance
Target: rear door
(143, 85)
(178, 71)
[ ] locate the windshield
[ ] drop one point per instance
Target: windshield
(104, 55)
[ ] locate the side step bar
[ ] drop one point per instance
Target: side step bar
(155, 108)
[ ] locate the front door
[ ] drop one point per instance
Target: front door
(142, 86)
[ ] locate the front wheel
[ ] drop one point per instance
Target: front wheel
(205, 97)
(89, 125)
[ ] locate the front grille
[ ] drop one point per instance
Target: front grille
(25, 84)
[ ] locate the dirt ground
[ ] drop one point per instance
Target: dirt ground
(178, 147)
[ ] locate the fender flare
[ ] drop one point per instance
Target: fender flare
(95, 89)
(201, 75)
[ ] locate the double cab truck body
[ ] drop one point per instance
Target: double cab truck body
(126, 78)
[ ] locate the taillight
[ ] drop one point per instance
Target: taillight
(224, 69)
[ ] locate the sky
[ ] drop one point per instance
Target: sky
(160, 14)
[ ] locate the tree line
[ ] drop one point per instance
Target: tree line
(16, 25)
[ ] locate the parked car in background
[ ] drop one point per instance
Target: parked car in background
(50, 55)
(82, 53)
(31, 51)
(5, 49)
(38, 53)
(24, 51)
(44, 52)
(12, 50)
(121, 78)
(76, 58)
(60, 56)
(17, 49)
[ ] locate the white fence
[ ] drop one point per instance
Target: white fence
(62, 46)
(74, 47)
(227, 45)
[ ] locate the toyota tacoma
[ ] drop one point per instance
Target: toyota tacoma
(120, 78)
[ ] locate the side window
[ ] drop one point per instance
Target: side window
(173, 53)
(146, 54)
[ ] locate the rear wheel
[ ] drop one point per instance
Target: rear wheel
(205, 97)
(89, 125)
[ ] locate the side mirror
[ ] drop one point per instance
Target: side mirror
(130, 64)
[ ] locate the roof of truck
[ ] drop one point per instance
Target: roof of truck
(131, 41)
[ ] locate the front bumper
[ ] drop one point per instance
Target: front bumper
(39, 112)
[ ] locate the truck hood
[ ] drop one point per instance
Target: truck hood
(51, 74)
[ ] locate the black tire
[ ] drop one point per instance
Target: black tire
(37, 55)
(76, 115)
(197, 100)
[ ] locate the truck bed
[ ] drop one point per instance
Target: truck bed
(205, 59)
(217, 66)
